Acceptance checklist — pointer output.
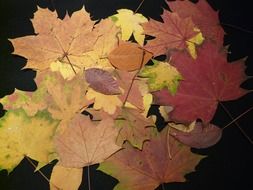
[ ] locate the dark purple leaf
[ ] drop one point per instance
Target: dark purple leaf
(102, 81)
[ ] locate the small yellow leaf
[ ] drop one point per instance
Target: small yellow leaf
(193, 42)
(130, 23)
(64, 178)
(108, 103)
(182, 127)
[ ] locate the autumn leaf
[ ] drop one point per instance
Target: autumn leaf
(174, 33)
(102, 81)
(162, 160)
(134, 127)
(63, 178)
(109, 103)
(203, 15)
(83, 143)
(201, 136)
(130, 23)
(108, 39)
(66, 98)
(65, 40)
(21, 136)
(207, 81)
(129, 57)
(161, 75)
(134, 95)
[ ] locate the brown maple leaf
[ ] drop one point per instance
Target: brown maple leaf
(162, 160)
(83, 143)
(134, 127)
(207, 81)
(65, 40)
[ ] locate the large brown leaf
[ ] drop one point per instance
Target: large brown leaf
(65, 40)
(83, 143)
(162, 160)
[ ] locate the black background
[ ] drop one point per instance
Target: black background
(229, 163)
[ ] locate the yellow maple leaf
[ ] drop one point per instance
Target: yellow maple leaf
(130, 23)
(21, 135)
(108, 103)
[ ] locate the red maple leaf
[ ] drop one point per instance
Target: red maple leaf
(171, 34)
(207, 80)
(203, 15)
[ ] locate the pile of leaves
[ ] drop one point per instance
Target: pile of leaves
(96, 82)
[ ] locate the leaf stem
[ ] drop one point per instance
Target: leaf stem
(237, 27)
(139, 6)
(88, 175)
(40, 172)
(234, 120)
(133, 79)
(71, 65)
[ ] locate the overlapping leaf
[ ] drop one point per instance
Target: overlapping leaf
(162, 160)
(84, 143)
(21, 135)
(65, 40)
(207, 81)
(174, 33)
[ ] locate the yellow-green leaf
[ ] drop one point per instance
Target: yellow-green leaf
(161, 75)
(21, 135)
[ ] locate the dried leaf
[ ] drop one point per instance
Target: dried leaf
(162, 160)
(173, 34)
(207, 80)
(63, 178)
(21, 135)
(102, 81)
(65, 40)
(161, 75)
(84, 143)
(129, 57)
(130, 23)
(201, 136)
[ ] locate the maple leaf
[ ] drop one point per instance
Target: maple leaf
(202, 14)
(162, 160)
(161, 75)
(129, 56)
(65, 40)
(201, 136)
(130, 23)
(108, 39)
(63, 178)
(134, 127)
(102, 81)
(83, 143)
(110, 105)
(66, 98)
(174, 33)
(207, 80)
(21, 136)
